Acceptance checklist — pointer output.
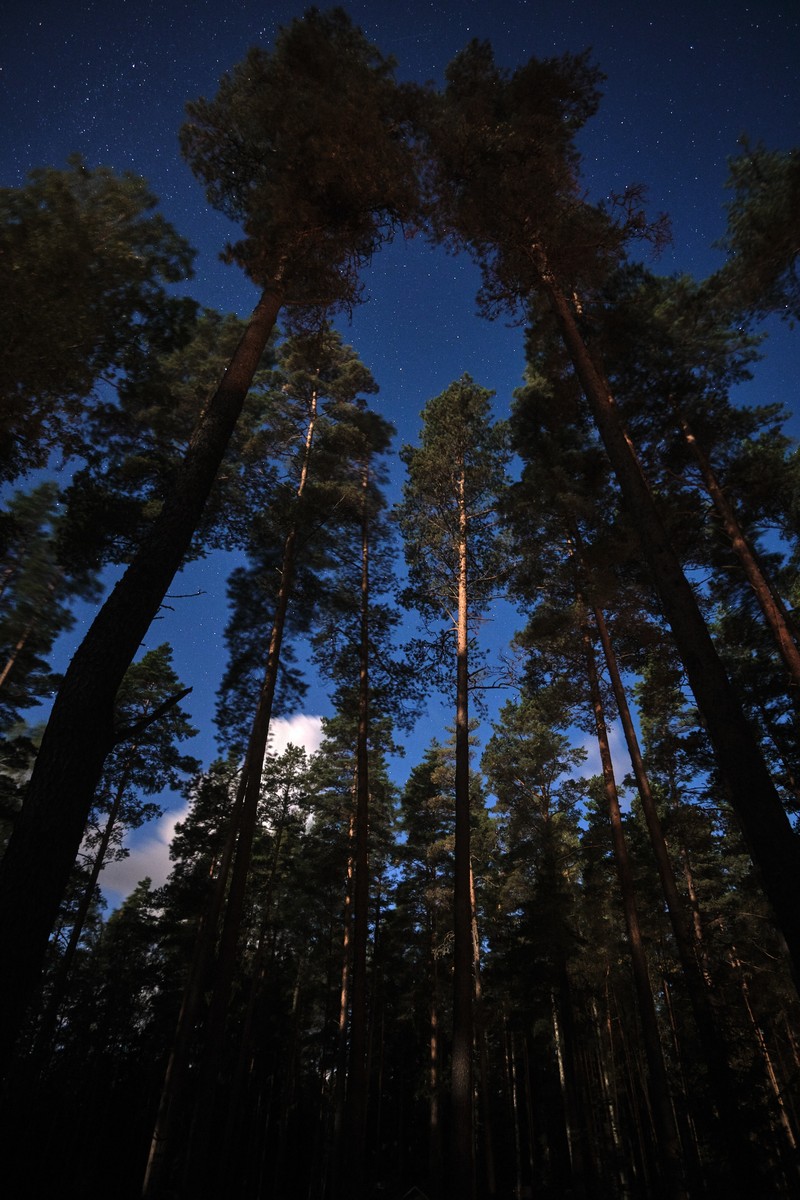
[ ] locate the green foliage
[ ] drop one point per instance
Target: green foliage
(458, 437)
(321, 435)
(502, 174)
(149, 759)
(763, 236)
(38, 585)
(303, 148)
(84, 260)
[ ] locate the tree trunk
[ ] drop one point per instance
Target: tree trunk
(242, 832)
(769, 601)
(772, 843)
(658, 1088)
(357, 1067)
(22, 640)
(340, 1078)
(461, 1164)
(227, 1153)
(483, 1048)
(769, 1067)
(48, 1020)
(435, 1171)
(79, 734)
(250, 784)
(729, 1129)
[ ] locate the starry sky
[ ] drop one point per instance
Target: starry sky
(110, 78)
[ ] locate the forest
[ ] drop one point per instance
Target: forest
(494, 974)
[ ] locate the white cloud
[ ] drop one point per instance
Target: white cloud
(298, 730)
(149, 856)
(149, 849)
(620, 759)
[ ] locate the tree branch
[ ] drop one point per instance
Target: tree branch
(126, 732)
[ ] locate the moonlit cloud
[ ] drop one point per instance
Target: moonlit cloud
(619, 758)
(299, 730)
(149, 848)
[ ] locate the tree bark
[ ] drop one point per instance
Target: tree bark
(80, 731)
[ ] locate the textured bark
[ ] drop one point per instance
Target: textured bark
(773, 845)
(80, 731)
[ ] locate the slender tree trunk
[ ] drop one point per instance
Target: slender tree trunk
(434, 1123)
(22, 640)
(769, 601)
(769, 1067)
(774, 846)
(357, 1072)
(250, 785)
(515, 1116)
(48, 833)
(344, 991)
(729, 1129)
(246, 1041)
(242, 833)
(19, 646)
(579, 1140)
(461, 1165)
(483, 1048)
(609, 1091)
(172, 1098)
(658, 1088)
(234, 866)
(48, 1020)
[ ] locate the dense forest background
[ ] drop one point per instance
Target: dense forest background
(551, 950)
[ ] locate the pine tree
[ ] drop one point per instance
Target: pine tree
(454, 479)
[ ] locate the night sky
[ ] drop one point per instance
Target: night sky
(110, 79)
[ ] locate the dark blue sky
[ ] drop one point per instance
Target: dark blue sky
(110, 78)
